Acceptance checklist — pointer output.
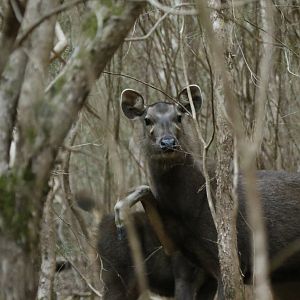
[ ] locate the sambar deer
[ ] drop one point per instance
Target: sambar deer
(167, 142)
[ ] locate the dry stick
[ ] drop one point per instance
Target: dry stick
(285, 254)
(66, 185)
(156, 223)
(140, 81)
(144, 37)
(70, 227)
(205, 145)
(92, 111)
(73, 150)
(261, 265)
(193, 12)
(211, 99)
(145, 83)
(136, 251)
(91, 251)
(272, 36)
(88, 247)
(173, 10)
(95, 291)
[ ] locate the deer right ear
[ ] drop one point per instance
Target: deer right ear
(183, 98)
(132, 103)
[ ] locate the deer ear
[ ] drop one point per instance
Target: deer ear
(132, 103)
(183, 98)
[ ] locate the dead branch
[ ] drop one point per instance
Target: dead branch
(48, 240)
(45, 17)
(93, 289)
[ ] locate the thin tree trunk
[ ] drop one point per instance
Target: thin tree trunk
(247, 151)
(48, 253)
(219, 39)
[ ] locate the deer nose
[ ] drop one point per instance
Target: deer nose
(167, 143)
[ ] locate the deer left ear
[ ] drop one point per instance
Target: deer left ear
(132, 103)
(183, 98)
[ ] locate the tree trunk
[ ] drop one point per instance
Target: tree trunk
(19, 276)
(219, 39)
(44, 120)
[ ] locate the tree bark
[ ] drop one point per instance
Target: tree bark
(48, 253)
(9, 30)
(10, 85)
(22, 206)
(246, 149)
(219, 39)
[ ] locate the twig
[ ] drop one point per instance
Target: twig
(140, 81)
(66, 184)
(131, 39)
(288, 64)
(173, 10)
(54, 11)
(95, 291)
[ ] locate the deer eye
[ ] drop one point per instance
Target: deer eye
(148, 122)
(179, 118)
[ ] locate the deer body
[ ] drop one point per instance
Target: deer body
(167, 276)
(186, 215)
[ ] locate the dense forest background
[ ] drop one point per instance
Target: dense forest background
(96, 156)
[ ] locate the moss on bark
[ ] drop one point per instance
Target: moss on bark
(16, 211)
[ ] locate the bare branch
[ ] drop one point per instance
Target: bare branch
(261, 263)
(173, 10)
(141, 81)
(94, 291)
(45, 17)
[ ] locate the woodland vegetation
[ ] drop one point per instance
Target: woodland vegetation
(63, 66)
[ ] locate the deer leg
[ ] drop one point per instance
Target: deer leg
(143, 194)
(122, 207)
